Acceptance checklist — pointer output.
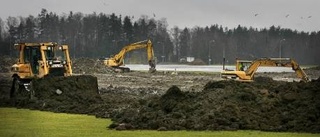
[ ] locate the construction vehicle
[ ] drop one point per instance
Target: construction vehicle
(245, 70)
(37, 61)
(116, 61)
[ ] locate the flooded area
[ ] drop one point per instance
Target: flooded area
(204, 68)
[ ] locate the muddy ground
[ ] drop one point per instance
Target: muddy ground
(169, 101)
(229, 105)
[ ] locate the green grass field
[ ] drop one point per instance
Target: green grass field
(22, 122)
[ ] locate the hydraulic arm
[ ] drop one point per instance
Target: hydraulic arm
(248, 74)
(118, 60)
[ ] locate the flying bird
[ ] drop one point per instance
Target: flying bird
(256, 14)
(287, 15)
(309, 16)
(154, 15)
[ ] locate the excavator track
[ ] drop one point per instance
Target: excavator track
(120, 69)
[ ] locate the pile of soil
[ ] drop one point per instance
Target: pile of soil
(116, 99)
(140, 101)
(197, 62)
(229, 105)
(5, 85)
(89, 66)
(74, 94)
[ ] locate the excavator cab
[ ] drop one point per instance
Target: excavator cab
(242, 65)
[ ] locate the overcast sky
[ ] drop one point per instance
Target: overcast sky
(301, 15)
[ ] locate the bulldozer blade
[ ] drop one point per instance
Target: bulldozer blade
(63, 94)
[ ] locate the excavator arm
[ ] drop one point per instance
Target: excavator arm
(248, 74)
(117, 60)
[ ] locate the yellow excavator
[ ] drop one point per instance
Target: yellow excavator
(41, 61)
(117, 60)
(245, 69)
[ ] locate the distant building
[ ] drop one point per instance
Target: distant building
(190, 59)
(187, 59)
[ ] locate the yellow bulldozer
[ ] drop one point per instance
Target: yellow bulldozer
(245, 69)
(116, 61)
(43, 61)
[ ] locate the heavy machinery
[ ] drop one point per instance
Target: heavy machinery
(37, 60)
(117, 60)
(41, 61)
(245, 70)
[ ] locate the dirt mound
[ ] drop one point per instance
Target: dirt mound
(229, 105)
(115, 99)
(89, 66)
(5, 85)
(74, 94)
(197, 62)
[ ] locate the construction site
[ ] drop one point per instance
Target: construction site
(166, 100)
(160, 68)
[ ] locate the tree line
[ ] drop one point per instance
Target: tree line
(102, 35)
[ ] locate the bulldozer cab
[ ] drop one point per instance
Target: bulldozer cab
(32, 55)
(49, 53)
(41, 59)
(57, 61)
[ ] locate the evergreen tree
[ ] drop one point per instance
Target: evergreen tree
(102, 35)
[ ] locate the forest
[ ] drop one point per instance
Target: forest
(100, 35)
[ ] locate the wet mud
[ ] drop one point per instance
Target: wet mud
(175, 101)
(228, 105)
